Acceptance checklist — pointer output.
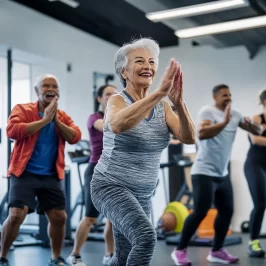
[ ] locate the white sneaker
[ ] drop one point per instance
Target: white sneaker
(75, 260)
(106, 260)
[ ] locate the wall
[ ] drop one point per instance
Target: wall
(204, 67)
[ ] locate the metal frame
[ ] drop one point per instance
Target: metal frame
(9, 93)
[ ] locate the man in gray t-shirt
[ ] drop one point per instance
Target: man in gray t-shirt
(214, 152)
(217, 126)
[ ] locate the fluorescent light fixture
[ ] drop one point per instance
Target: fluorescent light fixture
(71, 3)
(236, 25)
(194, 10)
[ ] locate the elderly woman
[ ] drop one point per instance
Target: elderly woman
(137, 129)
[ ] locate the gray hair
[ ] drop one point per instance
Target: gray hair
(121, 60)
(39, 80)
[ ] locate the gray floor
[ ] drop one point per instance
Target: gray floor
(93, 251)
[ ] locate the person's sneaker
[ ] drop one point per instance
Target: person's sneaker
(180, 257)
(58, 262)
(255, 250)
(106, 259)
(75, 260)
(222, 256)
(4, 262)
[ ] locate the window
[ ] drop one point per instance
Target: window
(21, 91)
(21, 84)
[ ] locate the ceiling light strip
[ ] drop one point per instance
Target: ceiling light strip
(196, 10)
(71, 3)
(236, 25)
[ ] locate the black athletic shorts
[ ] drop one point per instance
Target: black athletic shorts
(47, 189)
(91, 211)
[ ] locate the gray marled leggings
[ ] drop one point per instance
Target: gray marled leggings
(134, 234)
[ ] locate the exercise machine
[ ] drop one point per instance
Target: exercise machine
(81, 157)
(162, 230)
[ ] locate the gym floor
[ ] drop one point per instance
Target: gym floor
(93, 252)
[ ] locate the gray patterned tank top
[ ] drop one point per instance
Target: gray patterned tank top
(132, 158)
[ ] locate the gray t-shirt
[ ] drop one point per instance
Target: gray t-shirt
(213, 154)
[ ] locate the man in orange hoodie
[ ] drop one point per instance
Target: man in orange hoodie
(40, 131)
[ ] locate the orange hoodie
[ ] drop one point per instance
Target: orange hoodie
(24, 144)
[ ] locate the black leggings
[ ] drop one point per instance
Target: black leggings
(91, 211)
(205, 189)
(256, 178)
